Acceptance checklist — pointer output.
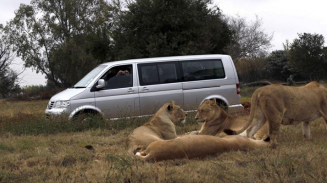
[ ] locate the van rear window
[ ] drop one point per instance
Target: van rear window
(170, 72)
(202, 70)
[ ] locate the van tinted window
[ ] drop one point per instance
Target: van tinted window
(202, 70)
(157, 73)
(119, 77)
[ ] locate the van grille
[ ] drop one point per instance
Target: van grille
(50, 105)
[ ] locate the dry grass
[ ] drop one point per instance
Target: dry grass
(11, 109)
(60, 156)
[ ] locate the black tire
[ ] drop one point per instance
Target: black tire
(222, 105)
(85, 116)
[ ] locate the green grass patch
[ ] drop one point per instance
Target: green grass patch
(36, 149)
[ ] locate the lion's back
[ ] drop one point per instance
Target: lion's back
(302, 100)
(310, 92)
(157, 128)
(140, 138)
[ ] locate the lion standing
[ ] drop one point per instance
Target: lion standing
(159, 127)
(285, 105)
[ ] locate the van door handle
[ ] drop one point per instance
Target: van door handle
(130, 90)
(145, 89)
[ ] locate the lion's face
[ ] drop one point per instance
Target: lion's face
(176, 113)
(207, 111)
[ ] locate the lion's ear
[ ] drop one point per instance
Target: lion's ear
(213, 101)
(171, 105)
(172, 102)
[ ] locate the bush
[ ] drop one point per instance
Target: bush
(35, 92)
(250, 70)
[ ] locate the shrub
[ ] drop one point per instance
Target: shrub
(250, 70)
(35, 92)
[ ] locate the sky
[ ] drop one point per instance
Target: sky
(282, 18)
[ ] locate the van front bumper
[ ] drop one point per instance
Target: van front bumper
(236, 109)
(55, 112)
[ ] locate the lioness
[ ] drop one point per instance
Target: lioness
(198, 146)
(285, 105)
(159, 127)
(215, 120)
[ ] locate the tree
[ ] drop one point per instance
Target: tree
(251, 69)
(8, 77)
(61, 39)
(250, 40)
(277, 66)
(8, 82)
(308, 56)
(163, 27)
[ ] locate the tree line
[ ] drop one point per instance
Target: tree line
(66, 39)
(304, 59)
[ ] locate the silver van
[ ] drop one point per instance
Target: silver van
(140, 86)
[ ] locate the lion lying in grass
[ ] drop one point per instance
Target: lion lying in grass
(159, 127)
(285, 105)
(215, 120)
(198, 146)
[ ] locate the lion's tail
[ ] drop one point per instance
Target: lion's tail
(261, 143)
(267, 139)
(254, 101)
(264, 142)
(142, 155)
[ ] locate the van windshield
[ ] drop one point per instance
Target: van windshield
(86, 80)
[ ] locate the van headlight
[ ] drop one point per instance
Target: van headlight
(61, 104)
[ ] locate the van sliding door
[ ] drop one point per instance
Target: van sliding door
(159, 84)
(202, 79)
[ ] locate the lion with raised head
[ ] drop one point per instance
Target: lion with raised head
(215, 120)
(198, 146)
(287, 105)
(159, 127)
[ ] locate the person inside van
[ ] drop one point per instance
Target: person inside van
(122, 72)
(118, 77)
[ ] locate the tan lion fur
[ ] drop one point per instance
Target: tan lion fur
(159, 127)
(197, 146)
(215, 120)
(285, 105)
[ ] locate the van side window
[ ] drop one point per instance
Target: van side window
(157, 73)
(149, 75)
(119, 77)
(202, 70)
(167, 73)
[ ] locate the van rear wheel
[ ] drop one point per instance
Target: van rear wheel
(222, 105)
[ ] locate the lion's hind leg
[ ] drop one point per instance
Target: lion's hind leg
(274, 122)
(256, 125)
(258, 121)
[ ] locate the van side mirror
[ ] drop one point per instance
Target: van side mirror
(101, 84)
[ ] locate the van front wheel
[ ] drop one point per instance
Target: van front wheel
(87, 117)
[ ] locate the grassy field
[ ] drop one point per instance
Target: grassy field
(35, 149)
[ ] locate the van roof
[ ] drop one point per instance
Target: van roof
(168, 58)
